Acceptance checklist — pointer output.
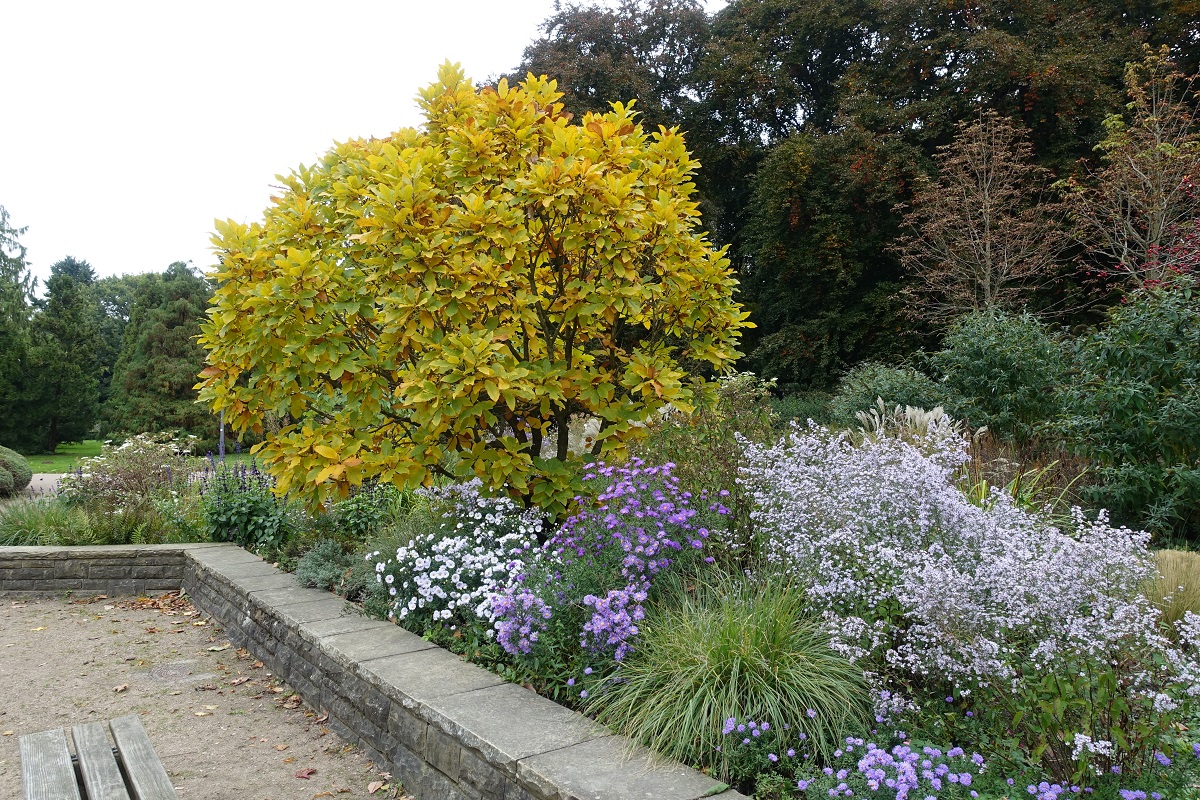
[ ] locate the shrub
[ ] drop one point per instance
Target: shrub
(366, 511)
(15, 464)
(861, 387)
(1041, 636)
(1005, 371)
(801, 407)
(1133, 407)
(443, 577)
(705, 455)
(329, 566)
(7, 485)
(576, 608)
(534, 269)
(1175, 589)
(240, 507)
(129, 474)
(735, 649)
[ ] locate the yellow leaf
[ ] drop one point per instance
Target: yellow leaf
(326, 451)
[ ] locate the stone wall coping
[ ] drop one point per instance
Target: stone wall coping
(448, 729)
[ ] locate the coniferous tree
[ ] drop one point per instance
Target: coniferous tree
(160, 357)
(62, 394)
(16, 302)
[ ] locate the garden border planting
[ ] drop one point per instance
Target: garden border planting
(447, 729)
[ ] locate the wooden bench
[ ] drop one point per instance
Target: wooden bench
(50, 772)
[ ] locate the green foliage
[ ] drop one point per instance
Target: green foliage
(465, 290)
(1005, 369)
(329, 566)
(62, 381)
(818, 276)
(861, 387)
(240, 507)
(745, 650)
(707, 456)
(646, 50)
(153, 379)
(366, 511)
(18, 469)
(40, 522)
(1133, 406)
(62, 523)
(801, 407)
(7, 484)
(16, 300)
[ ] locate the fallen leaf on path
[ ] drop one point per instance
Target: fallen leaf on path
(203, 713)
(201, 623)
(238, 681)
(375, 786)
(323, 718)
(256, 665)
(39, 628)
(109, 608)
(7, 733)
(290, 760)
(322, 794)
(278, 689)
(218, 648)
(212, 708)
(281, 747)
(306, 773)
(121, 688)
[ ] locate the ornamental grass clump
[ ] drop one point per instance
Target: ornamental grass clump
(584, 596)
(738, 648)
(1175, 588)
(1041, 638)
(446, 576)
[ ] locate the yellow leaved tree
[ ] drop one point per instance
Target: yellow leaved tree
(446, 300)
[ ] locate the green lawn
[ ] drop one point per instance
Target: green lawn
(65, 458)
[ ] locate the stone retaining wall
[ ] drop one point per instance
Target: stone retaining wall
(114, 570)
(447, 729)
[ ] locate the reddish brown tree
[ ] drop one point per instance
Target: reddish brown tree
(1141, 198)
(981, 235)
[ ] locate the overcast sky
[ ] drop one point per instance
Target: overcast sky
(129, 126)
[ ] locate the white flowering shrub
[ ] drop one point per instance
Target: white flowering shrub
(447, 576)
(1038, 634)
(130, 473)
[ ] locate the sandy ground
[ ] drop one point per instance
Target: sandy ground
(42, 484)
(222, 725)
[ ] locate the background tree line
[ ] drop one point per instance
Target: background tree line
(832, 133)
(95, 355)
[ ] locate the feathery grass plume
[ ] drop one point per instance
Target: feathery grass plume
(1176, 588)
(734, 649)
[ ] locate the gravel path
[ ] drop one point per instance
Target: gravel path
(222, 725)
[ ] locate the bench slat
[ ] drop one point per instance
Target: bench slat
(101, 776)
(147, 777)
(46, 771)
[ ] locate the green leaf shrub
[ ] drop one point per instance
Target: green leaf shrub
(16, 466)
(7, 486)
(735, 649)
(240, 507)
(332, 568)
(801, 407)
(1005, 370)
(1133, 406)
(859, 389)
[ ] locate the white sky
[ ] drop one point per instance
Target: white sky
(129, 126)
